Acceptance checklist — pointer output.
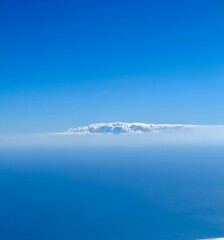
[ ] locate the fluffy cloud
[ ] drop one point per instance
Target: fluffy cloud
(124, 128)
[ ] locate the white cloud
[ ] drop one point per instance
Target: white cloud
(122, 134)
(212, 238)
(117, 128)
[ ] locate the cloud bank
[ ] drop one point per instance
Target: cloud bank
(118, 128)
(121, 134)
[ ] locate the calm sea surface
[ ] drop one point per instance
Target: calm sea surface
(112, 193)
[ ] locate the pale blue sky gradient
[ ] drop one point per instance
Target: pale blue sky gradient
(71, 63)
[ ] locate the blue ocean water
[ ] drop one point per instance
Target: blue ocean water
(174, 193)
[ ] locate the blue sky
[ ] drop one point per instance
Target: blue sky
(70, 63)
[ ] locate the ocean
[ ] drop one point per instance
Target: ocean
(112, 193)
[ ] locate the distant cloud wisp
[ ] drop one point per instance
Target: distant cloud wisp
(117, 128)
(221, 238)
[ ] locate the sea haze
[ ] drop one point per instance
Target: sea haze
(112, 193)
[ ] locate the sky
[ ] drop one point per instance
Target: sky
(66, 64)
